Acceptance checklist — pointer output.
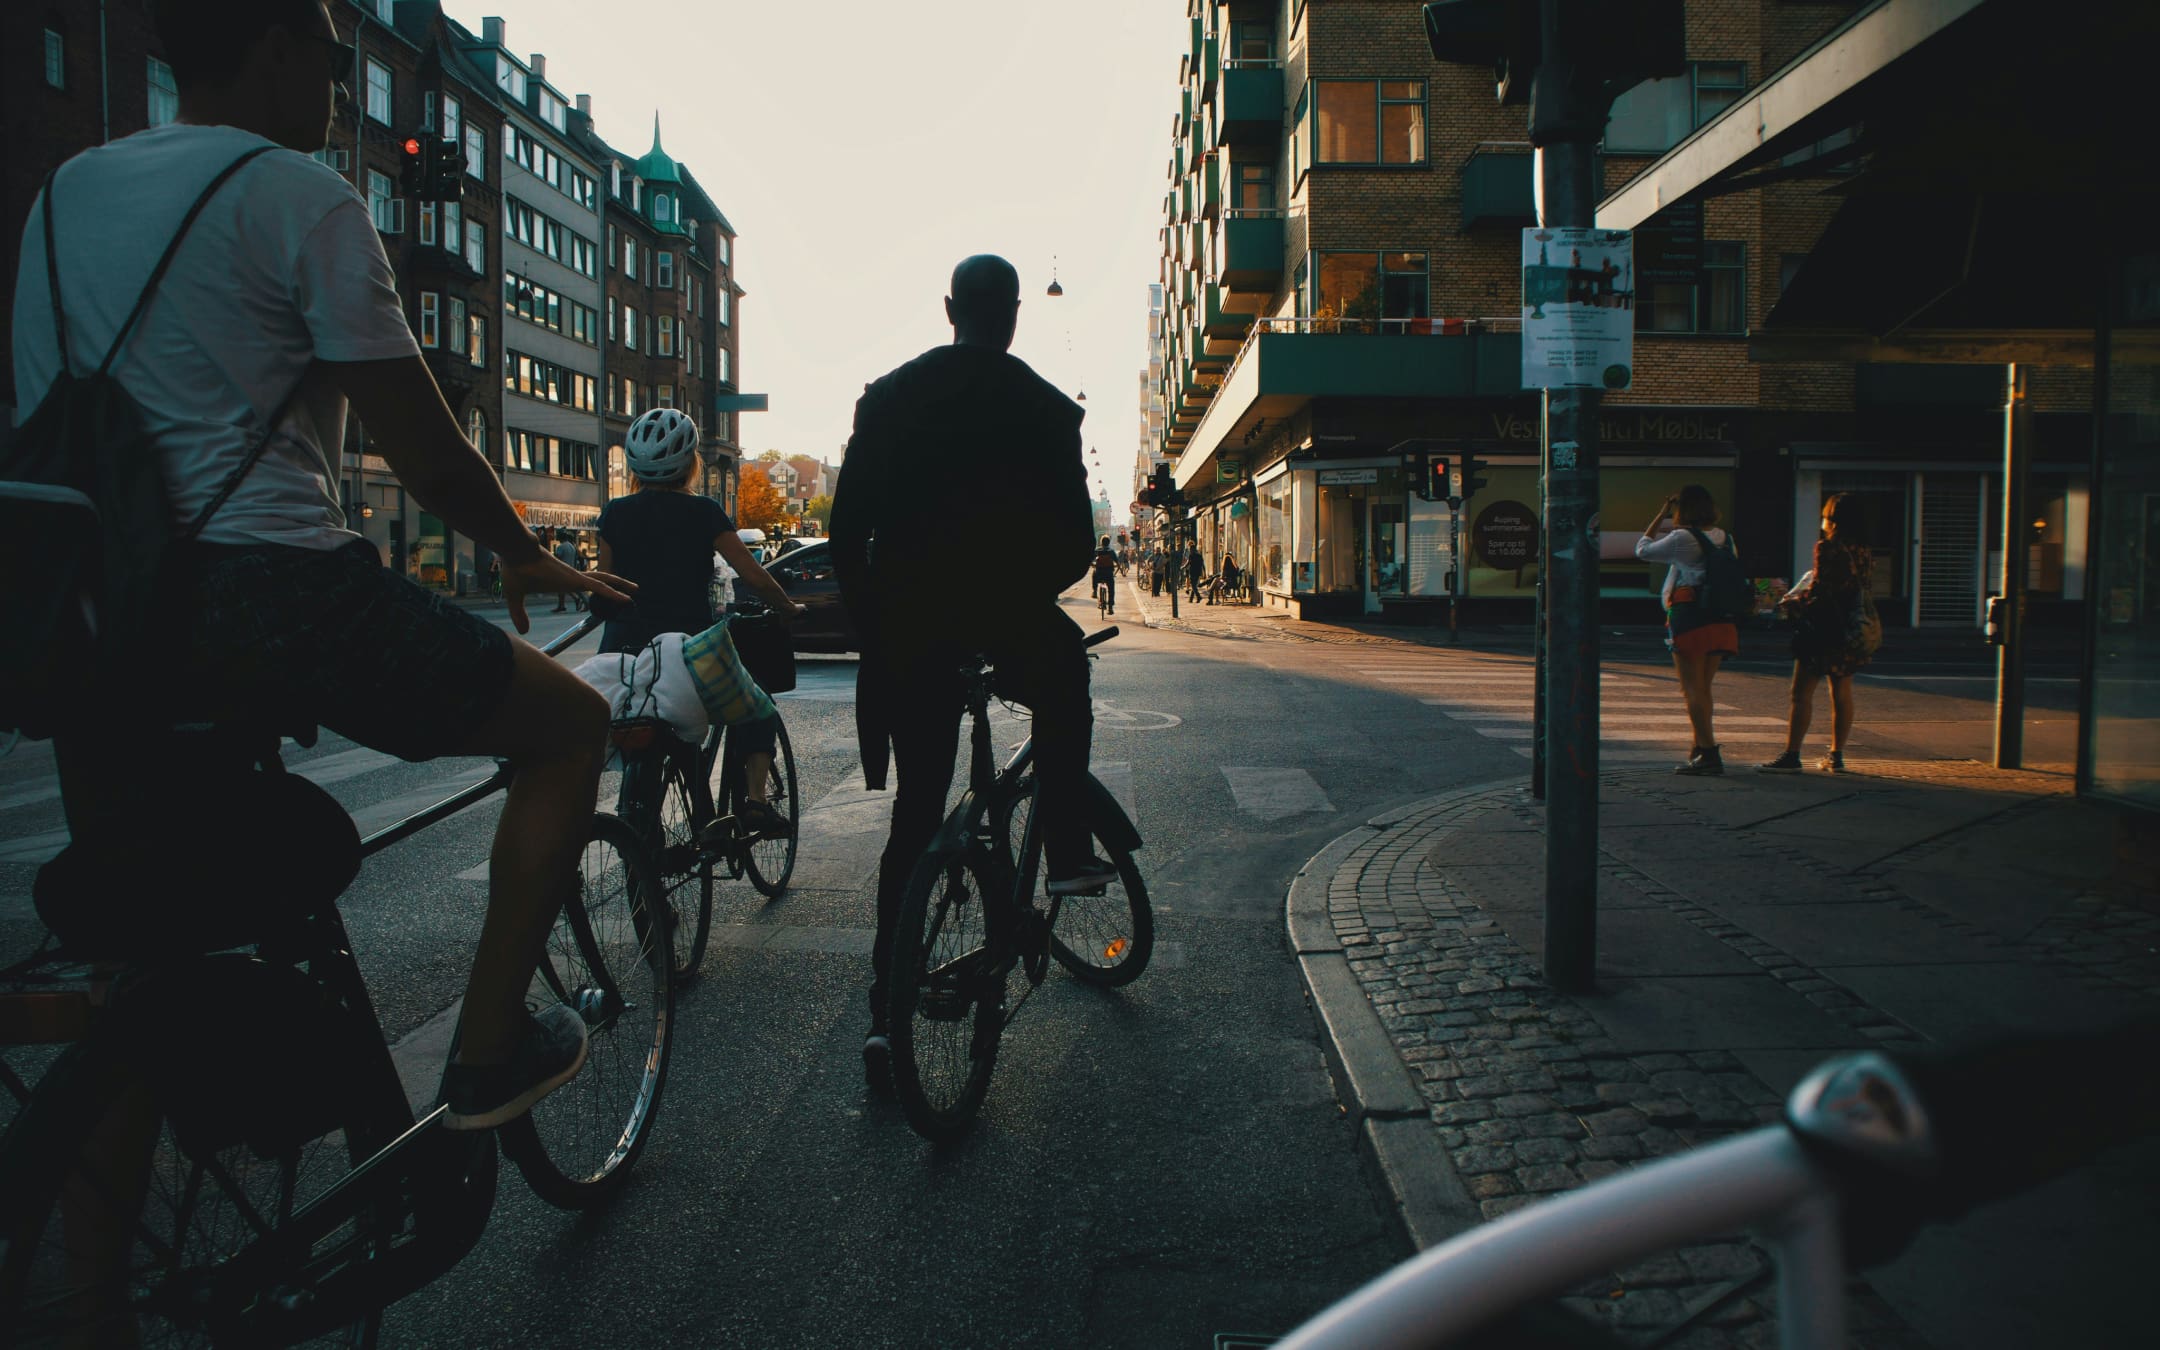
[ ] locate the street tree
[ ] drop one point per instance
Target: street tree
(758, 504)
(819, 509)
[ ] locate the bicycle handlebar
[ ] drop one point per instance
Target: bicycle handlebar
(569, 637)
(1096, 639)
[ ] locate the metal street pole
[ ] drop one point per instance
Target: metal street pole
(2010, 656)
(1567, 115)
(1176, 560)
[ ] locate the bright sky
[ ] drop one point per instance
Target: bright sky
(862, 147)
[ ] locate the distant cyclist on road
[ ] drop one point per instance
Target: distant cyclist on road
(1013, 440)
(280, 309)
(1106, 568)
(662, 539)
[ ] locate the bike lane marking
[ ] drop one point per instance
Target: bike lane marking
(1273, 793)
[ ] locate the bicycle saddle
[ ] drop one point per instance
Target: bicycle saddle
(225, 858)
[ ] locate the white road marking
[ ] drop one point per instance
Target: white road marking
(1631, 720)
(343, 765)
(1272, 793)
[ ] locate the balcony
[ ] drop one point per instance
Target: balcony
(1498, 186)
(1210, 190)
(1219, 325)
(1252, 250)
(1249, 103)
(1288, 363)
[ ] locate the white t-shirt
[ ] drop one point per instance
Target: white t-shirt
(283, 268)
(1677, 546)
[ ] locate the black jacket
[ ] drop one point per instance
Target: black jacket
(961, 455)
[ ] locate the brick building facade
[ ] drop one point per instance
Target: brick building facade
(1341, 261)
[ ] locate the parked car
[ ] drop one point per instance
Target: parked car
(807, 573)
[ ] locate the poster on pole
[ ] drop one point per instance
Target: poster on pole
(1578, 309)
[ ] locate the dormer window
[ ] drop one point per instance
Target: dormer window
(637, 194)
(660, 208)
(615, 179)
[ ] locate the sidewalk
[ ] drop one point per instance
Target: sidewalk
(1748, 927)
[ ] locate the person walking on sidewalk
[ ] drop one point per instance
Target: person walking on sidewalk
(566, 553)
(995, 425)
(1681, 535)
(1837, 633)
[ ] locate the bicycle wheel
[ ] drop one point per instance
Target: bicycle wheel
(119, 1224)
(946, 996)
(663, 795)
(770, 860)
(608, 959)
(1102, 939)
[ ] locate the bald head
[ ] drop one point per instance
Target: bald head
(985, 301)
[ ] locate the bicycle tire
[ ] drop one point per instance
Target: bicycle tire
(686, 871)
(187, 1210)
(1105, 940)
(611, 961)
(945, 1007)
(770, 861)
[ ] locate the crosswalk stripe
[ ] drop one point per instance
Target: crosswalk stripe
(1631, 720)
(1608, 733)
(1516, 702)
(344, 765)
(1272, 793)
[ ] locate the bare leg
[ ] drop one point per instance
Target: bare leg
(1841, 710)
(1694, 672)
(1803, 708)
(757, 774)
(552, 727)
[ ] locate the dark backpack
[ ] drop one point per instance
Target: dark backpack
(1727, 596)
(86, 521)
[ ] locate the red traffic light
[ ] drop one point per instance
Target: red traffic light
(412, 145)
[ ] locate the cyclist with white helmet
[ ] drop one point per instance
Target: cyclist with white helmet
(661, 539)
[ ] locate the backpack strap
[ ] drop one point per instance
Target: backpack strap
(247, 461)
(157, 273)
(52, 275)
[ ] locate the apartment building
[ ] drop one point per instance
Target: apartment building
(550, 293)
(669, 325)
(1341, 260)
(1154, 413)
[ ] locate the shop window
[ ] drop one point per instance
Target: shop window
(164, 94)
(1371, 122)
(1657, 115)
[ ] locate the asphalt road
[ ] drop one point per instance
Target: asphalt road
(1155, 1165)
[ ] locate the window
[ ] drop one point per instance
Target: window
(378, 92)
(55, 59)
(629, 256)
(1252, 41)
(660, 207)
(723, 306)
(1371, 122)
(1256, 186)
(453, 225)
(1713, 299)
(667, 335)
(1657, 115)
(430, 319)
(510, 78)
(476, 153)
(723, 426)
(666, 264)
(476, 339)
(1300, 134)
(476, 428)
(453, 117)
(164, 94)
(629, 396)
(383, 205)
(1373, 286)
(427, 222)
(582, 256)
(667, 396)
(384, 10)
(614, 182)
(611, 318)
(720, 366)
(551, 109)
(454, 328)
(721, 248)
(630, 327)
(476, 247)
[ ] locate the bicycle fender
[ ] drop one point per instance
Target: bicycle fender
(959, 827)
(1112, 825)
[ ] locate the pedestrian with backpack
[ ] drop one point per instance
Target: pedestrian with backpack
(1836, 631)
(1704, 590)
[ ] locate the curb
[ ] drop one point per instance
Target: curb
(1396, 1140)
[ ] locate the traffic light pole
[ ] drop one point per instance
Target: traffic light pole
(1567, 116)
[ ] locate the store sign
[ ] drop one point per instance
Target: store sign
(1229, 470)
(1578, 309)
(1348, 477)
(1505, 536)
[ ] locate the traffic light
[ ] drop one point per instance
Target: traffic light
(1436, 479)
(446, 175)
(1161, 493)
(1473, 475)
(415, 162)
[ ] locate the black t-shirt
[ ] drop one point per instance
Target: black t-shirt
(662, 542)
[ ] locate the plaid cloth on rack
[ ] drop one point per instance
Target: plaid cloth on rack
(723, 685)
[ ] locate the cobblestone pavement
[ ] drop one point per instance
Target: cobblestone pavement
(1748, 928)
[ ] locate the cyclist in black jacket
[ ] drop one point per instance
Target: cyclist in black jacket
(989, 422)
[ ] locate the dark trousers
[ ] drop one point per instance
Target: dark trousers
(1042, 664)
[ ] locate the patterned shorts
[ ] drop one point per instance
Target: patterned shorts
(298, 638)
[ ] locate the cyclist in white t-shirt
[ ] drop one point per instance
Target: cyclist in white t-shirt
(280, 296)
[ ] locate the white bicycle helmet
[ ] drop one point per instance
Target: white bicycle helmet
(661, 445)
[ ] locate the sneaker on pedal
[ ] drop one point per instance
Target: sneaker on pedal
(761, 821)
(1092, 877)
(483, 1096)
